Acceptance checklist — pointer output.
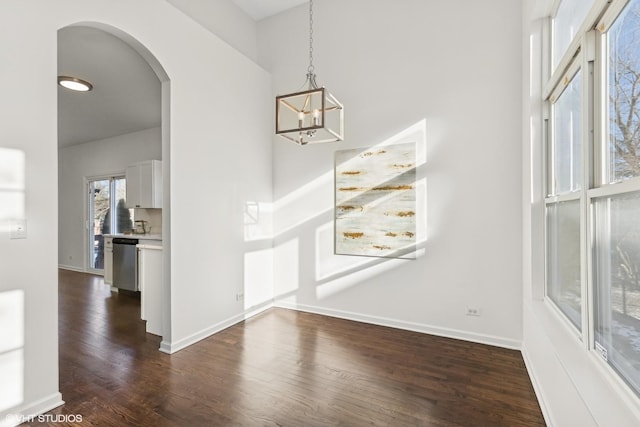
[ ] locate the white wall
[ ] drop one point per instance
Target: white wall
(573, 386)
(109, 156)
(453, 67)
(219, 157)
(225, 19)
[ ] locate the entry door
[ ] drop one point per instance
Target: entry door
(106, 195)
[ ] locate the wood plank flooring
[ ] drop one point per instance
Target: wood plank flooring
(281, 368)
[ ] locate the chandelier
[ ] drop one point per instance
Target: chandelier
(312, 115)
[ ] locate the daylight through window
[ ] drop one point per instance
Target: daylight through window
(593, 181)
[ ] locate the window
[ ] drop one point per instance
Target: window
(593, 181)
(616, 218)
(624, 95)
(566, 141)
(566, 23)
(563, 263)
(617, 308)
(564, 282)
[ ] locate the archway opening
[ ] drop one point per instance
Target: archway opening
(122, 121)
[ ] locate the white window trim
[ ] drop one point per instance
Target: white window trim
(558, 90)
(560, 69)
(575, 65)
(586, 46)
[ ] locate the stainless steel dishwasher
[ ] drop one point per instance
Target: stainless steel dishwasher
(125, 274)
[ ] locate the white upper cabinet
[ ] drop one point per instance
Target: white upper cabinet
(144, 184)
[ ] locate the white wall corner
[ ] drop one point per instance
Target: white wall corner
(478, 338)
(171, 347)
(224, 19)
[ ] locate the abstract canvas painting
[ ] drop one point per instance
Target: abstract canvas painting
(375, 201)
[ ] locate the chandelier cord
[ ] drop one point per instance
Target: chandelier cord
(311, 68)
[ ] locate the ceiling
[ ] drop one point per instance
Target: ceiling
(260, 9)
(126, 95)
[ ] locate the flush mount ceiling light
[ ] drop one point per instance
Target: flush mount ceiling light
(313, 115)
(74, 83)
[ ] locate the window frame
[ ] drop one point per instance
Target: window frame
(573, 45)
(567, 78)
(552, 198)
(588, 51)
(602, 188)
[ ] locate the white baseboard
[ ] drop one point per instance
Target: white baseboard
(409, 326)
(30, 411)
(71, 268)
(174, 346)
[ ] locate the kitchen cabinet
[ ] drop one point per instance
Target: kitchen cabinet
(150, 283)
(144, 184)
(108, 260)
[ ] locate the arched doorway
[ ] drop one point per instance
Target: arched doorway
(127, 78)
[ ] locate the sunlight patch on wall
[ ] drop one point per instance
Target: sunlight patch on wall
(258, 221)
(329, 264)
(372, 268)
(421, 213)
(315, 199)
(258, 277)
(415, 133)
(12, 188)
(11, 348)
(337, 273)
(304, 204)
(287, 264)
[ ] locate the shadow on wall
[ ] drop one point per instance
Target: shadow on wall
(303, 236)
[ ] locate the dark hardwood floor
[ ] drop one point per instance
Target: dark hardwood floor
(281, 368)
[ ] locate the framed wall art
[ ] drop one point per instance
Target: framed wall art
(375, 201)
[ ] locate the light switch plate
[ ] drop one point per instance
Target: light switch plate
(19, 230)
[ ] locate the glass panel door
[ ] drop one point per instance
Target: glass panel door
(106, 195)
(99, 223)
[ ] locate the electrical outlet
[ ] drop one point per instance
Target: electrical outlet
(240, 297)
(19, 230)
(473, 311)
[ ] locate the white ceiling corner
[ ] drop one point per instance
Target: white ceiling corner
(260, 9)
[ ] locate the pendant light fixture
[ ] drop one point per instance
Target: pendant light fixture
(313, 115)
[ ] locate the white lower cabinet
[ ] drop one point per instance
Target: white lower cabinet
(108, 260)
(150, 285)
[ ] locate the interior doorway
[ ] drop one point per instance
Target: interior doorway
(101, 132)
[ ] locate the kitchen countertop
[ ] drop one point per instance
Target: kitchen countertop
(137, 236)
(152, 246)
